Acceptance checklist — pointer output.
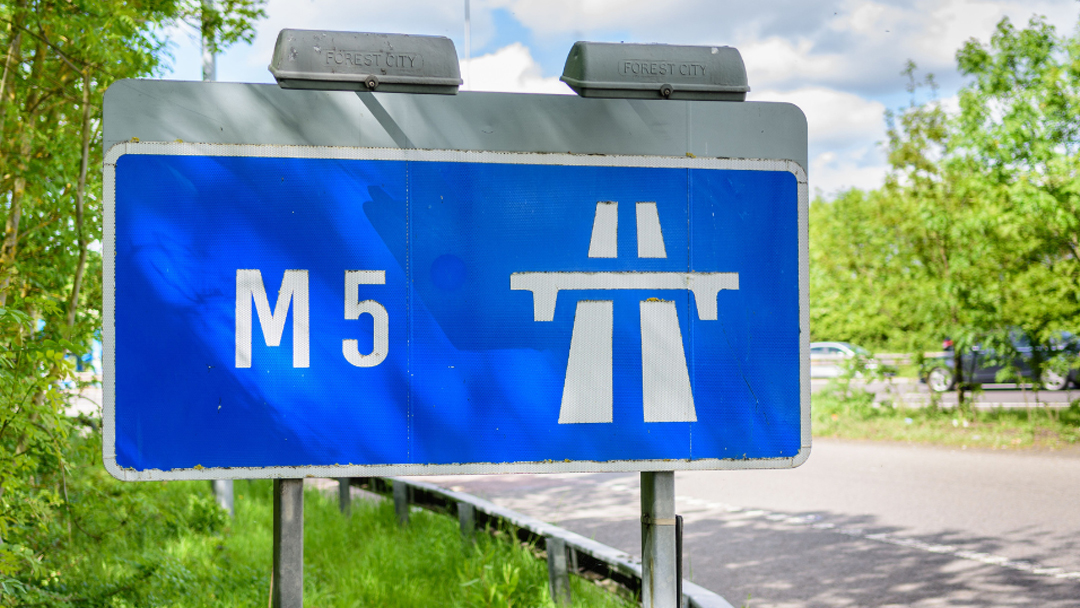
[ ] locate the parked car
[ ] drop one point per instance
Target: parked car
(981, 365)
(827, 358)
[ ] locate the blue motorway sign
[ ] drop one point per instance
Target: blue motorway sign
(352, 312)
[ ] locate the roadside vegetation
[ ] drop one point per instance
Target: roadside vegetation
(57, 58)
(169, 544)
(846, 410)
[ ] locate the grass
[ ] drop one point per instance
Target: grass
(170, 545)
(842, 412)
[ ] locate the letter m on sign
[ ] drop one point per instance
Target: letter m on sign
(294, 289)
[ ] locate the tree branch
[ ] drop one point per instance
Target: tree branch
(80, 197)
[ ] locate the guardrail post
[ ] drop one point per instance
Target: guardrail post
(658, 584)
(287, 588)
(401, 502)
(344, 495)
(594, 557)
(466, 519)
(223, 493)
(558, 576)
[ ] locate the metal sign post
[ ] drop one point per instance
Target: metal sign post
(287, 586)
(391, 278)
(658, 584)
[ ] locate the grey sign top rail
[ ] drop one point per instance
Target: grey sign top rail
(228, 113)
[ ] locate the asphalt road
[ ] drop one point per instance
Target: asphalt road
(860, 524)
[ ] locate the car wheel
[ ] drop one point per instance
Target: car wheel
(940, 380)
(1054, 381)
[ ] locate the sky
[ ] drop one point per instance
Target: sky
(838, 60)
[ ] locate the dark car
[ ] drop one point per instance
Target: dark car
(981, 364)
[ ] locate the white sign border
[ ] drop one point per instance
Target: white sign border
(463, 156)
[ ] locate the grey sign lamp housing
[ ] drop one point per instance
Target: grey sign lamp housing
(357, 61)
(656, 71)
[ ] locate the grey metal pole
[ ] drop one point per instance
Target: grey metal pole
(287, 587)
(679, 563)
(223, 488)
(466, 520)
(658, 584)
(344, 495)
(558, 575)
(209, 61)
(223, 493)
(468, 45)
(401, 502)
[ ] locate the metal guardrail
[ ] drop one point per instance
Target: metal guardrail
(906, 358)
(585, 554)
(895, 359)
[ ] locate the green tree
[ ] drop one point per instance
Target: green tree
(861, 281)
(57, 57)
(1018, 130)
(948, 230)
(975, 231)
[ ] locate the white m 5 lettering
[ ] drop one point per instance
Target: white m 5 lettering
(294, 291)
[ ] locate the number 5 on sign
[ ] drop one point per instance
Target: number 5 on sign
(354, 308)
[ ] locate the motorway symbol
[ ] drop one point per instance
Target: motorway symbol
(587, 390)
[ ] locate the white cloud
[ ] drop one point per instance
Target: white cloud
(548, 17)
(864, 45)
(780, 62)
(835, 118)
(844, 135)
(510, 69)
(854, 45)
(833, 172)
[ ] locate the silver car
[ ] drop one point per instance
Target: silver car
(827, 358)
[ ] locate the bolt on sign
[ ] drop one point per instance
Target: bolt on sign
(345, 284)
